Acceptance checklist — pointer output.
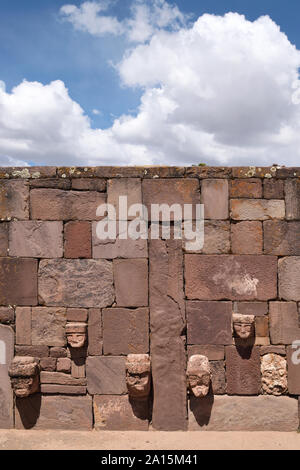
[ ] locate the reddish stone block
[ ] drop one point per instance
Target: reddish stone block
(292, 199)
(293, 358)
(218, 381)
(171, 191)
(129, 187)
(281, 238)
(252, 308)
(78, 367)
(131, 282)
(89, 184)
(95, 332)
(209, 323)
(18, 281)
(272, 350)
(48, 364)
(48, 326)
(119, 413)
(63, 389)
(216, 237)
(77, 314)
(50, 183)
(36, 239)
(284, 326)
(251, 188)
(289, 278)
(247, 238)
(214, 196)
(56, 204)
(106, 375)
(33, 351)
(125, 331)
(57, 352)
(23, 325)
(6, 394)
(257, 209)
(243, 370)
(230, 277)
(7, 315)
(78, 240)
(212, 352)
(3, 239)
(63, 365)
(59, 378)
(273, 189)
(262, 326)
(14, 200)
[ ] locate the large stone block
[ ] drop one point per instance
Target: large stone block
(36, 239)
(251, 188)
(243, 370)
(214, 196)
(281, 238)
(289, 278)
(230, 277)
(131, 282)
(257, 209)
(56, 204)
(48, 326)
(211, 351)
(252, 308)
(76, 283)
(167, 323)
(78, 239)
(209, 323)
(273, 189)
(216, 237)
(6, 395)
(55, 412)
(106, 375)
(125, 331)
(119, 413)
(171, 191)
(3, 239)
(247, 238)
(129, 187)
(262, 413)
(14, 200)
(293, 358)
(89, 184)
(292, 199)
(18, 281)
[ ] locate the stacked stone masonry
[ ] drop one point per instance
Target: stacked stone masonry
(150, 298)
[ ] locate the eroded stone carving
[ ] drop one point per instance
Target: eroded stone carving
(243, 325)
(76, 334)
(274, 374)
(198, 375)
(138, 378)
(24, 376)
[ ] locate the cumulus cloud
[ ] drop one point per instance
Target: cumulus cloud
(222, 91)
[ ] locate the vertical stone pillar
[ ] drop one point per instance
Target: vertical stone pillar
(6, 395)
(167, 326)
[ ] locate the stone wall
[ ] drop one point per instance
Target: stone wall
(150, 297)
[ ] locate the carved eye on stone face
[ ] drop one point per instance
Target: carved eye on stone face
(198, 375)
(243, 325)
(76, 334)
(138, 376)
(24, 375)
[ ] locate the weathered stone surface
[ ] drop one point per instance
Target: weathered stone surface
(76, 283)
(273, 374)
(252, 308)
(171, 191)
(6, 396)
(78, 367)
(262, 326)
(50, 183)
(60, 378)
(214, 196)
(3, 239)
(257, 209)
(263, 413)
(58, 352)
(209, 277)
(204, 171)
(292, 199)
(293, 358)
(34, 172)
(273, 189)
(54, 412)
(211, 351)
(118, 248)
(78, 239)
(95, 332)
(77, 314)
(251, 188)
(131, 282)
(119, 413)
(48, 364)
(89, 184)
(209, 323)
(14, 200)
(53, 389)
(18, 281)
(63, 365)
(289, 278)
(218, 377)
(281, 238)
(23, 325)
(242, 370)
(216, 237)
(125, 331)
(253, 172)
(56, 204)
(167, 322)
(7, 315)
(48, 326)
(106, 375)
(272, 350)
(247, 238)
(33, 351)
(36, 239)
(129, 187)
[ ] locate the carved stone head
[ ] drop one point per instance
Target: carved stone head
(198, 375)
(24, 376)
(138, 378)
(243, 325)
(76, 334)
(274, 374)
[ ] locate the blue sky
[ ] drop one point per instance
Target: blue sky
(40, 44)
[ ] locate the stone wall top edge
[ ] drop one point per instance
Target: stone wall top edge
(45, 172)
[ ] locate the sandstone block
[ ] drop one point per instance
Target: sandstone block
(247, 238)
(3, 239)
(57, 352)
(63, 389)
(209, 323)
(251, 188)
(95, 332)
(214, 196)
(293, 358)
(243, 370)
(218, 377)
(7, 315)
(262, 326)
(48, 326)
(106, 375)
(216, 237)
(33, 351)
(6, 395)
(23, 325)
(36, 239)
(211, 351)
(14, 200)
(59, 378)
(252, 308)
(257, 209)
(273, 189)
(18, 281)
(280, 350)
(63, 365)
(289, 278)
(281, 238)
(89, 184)
(292, 199)
(77, 314)
(78, 240)
(131, 282)
(129, 187)
(119, 413)
(48, 364)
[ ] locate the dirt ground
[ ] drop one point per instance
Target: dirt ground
(108, 440)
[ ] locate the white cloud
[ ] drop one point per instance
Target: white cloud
(221, 91)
